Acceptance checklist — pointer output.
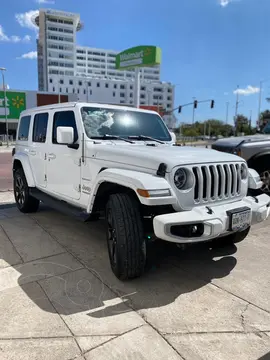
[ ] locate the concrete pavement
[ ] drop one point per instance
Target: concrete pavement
(60, 300)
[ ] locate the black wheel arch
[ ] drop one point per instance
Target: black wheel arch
(257, 158)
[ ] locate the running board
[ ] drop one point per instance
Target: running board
(60, 205)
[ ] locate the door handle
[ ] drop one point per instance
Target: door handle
(51, 156)
(32, 152)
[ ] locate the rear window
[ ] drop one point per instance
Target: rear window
(23, 131)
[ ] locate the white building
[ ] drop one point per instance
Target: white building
(88, 72)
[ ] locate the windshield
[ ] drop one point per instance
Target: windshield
(124, 123)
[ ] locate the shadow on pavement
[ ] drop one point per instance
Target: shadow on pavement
(170, 275)
(265, 357)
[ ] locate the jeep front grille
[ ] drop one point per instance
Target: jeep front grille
(216, 182)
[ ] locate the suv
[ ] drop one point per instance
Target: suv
(255, 149)
(96, 160)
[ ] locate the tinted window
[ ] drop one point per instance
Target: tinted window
(64, 118)
(23, 131)
(100, 121)
(40, 127)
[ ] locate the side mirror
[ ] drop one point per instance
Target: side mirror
(65, 135)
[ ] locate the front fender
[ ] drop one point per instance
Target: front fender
(134, 180)
(24, 160)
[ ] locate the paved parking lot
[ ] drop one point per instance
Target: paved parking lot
(60, 300)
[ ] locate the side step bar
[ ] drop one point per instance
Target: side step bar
(60, 205)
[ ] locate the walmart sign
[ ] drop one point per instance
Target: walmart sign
(15, 103)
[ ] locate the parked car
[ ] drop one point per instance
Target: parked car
(94, 160)
(255, 149)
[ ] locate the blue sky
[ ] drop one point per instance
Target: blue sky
(208, 46)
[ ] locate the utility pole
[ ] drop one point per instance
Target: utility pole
(236, 110)
(193, 113)
(260, 103)
(2, 69)
(227, 111)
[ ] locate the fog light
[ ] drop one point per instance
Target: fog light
(187, 231)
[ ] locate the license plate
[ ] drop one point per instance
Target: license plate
(239, 219)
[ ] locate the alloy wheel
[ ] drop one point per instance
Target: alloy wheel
(19, 191)
(265, 178)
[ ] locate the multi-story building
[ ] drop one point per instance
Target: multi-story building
(89, 72)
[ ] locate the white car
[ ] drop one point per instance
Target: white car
(121, 162)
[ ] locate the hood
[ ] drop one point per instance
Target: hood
(150, 157)
(235, 141)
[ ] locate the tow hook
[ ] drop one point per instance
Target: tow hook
(209, 210)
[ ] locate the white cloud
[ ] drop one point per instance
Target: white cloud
(249, 90)
(13, 38)
(224, 2)
(25, 19)
(30, 55)
(45, 1)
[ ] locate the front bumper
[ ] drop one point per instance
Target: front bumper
(215, 219)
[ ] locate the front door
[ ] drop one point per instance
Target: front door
(37, 150)
(63, 163)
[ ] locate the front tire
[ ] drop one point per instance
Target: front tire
(125, 236)
(24, 201)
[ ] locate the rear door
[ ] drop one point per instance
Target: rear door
(37, 150)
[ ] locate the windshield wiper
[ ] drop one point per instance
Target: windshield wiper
(111, 137)
(142, 137)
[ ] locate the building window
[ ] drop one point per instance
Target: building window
(106, 85)
(169, 90)
(50, 81)
(84, 91)
(80, 83)
(78, 91)
(115, 86)
(23, 131)
(73, 91)
(40, 127)
(98, 85)
(169, 98)
(66, 90)
(89, 84)
(90, 92)
(131, 87)
(122, 101)
(131, 95)
(53, 89)
(143, 88)
(168, 106)
(113, 94)
(70, 82)
(122, 94)
(60, 89)
(122, 87)
(142, 96)
(64, 118)
(61, 82)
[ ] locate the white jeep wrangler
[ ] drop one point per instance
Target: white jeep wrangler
(94, 159)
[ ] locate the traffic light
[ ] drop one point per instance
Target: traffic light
(212, 104)
(179, 109)
(195, 104)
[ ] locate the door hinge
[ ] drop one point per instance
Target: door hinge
(79, 188)
(45, 157)
(45, 177)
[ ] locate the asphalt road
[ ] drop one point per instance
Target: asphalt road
(5, 171)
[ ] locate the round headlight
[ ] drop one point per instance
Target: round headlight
(244, 172)
(180, 178)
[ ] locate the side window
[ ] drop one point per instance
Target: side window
(40, 127)
(64, 118)
(23, 131)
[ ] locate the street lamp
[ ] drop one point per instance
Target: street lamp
(2, 69)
